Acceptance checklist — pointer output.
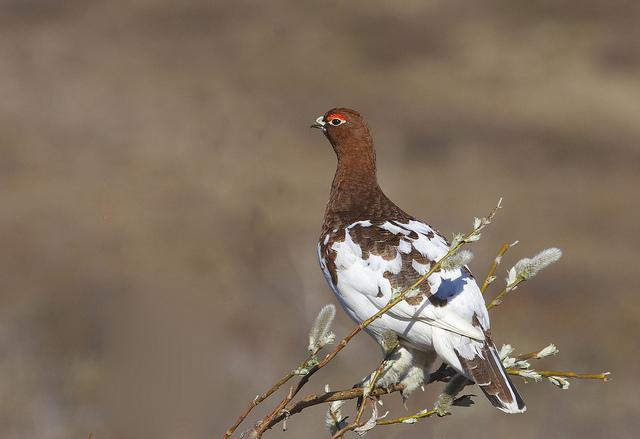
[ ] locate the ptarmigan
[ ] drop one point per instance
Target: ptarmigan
(370, 249)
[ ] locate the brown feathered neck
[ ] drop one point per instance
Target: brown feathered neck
(355, 193)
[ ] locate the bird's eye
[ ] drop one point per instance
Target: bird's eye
(336, 122)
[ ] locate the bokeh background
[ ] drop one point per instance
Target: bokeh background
(161, 195)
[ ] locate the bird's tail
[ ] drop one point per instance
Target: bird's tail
(488, 373)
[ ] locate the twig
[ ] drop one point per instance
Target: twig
(255, 402)
(371, 385)
(604, 376)
(464, 400)
(521, 271)
(474, 235)
(356, 423)
(407, 419)
(512, 371)
(500, 296)
(527, 356)
(258, 399)
(494, 266)
(338, 395)
(442, 374)
(526, 269)
(352, 426)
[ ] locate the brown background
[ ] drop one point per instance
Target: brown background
(161, 195)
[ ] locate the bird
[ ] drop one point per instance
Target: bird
(370, 250)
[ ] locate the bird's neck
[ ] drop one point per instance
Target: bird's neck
(355, 193)
(354, 174)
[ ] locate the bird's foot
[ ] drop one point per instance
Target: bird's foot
(443, 405)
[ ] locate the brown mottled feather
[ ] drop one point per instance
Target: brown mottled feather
(489, 374)
(356, 196)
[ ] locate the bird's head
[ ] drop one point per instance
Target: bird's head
(346, 130)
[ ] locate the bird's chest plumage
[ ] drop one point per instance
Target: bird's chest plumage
(368, 262)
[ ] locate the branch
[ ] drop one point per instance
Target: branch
(320, 336)
(463, 401)
(408, 419)
(459, 241)
(526, 269)
(494, 266)
(258, 399)
(338, 395)
(442, 374)
(365, 394)
(500, 296)
(604, 376)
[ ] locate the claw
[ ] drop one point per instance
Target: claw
(360, 384)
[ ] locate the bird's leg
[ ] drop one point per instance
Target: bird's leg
(451, 390)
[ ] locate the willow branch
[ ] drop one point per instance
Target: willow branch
(500, 296)
(464, 400)
(263, 424)
(338, 395)
(604, 376)
(255, 402)
(527, 356)
(523, 270)
(371, 385)
(442, 374)
(545, 373)
(356, 423)
(526, 269)
(474, 235)
(352, 426)
(408, 419)
(494, 266)
(258, 399)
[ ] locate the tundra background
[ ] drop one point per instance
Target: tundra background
(161, 196)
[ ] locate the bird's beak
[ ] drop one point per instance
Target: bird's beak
(319, 123)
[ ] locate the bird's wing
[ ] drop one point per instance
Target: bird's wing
(378, 260)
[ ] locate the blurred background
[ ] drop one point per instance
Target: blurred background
(161, 196)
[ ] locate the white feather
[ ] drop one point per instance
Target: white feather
(426, 327)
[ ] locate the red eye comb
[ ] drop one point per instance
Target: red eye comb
(336, 116)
